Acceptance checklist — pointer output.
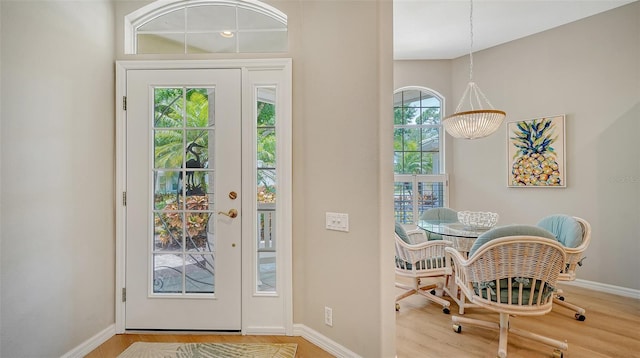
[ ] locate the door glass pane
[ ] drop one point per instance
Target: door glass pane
(167, 153)
(166, 189)
(266, 189)
(167, 273)
(168, 231)
(183, 243)
(168, 105)
(199, 273)
(198, 112)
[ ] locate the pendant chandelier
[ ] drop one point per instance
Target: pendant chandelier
(479, 119)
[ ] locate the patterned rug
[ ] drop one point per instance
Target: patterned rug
(210, 350)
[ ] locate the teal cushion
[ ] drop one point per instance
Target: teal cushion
(509, 230)
(402, 233)
(440, 214)
(483, 287)
(567, 229)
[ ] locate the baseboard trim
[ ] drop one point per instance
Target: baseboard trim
(603, 287)
(92, 343)
(323, 342)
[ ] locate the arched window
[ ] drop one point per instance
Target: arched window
(420, 180)
(206, 26)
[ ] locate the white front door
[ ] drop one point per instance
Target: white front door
(183, 195)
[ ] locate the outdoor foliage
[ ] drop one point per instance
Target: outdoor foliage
(172, 143)
(409, 142)
(266, 152)
(169, 224)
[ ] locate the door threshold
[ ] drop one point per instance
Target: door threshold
(183, 331)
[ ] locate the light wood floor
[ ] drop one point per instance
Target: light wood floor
(120, 342)
(612, 329)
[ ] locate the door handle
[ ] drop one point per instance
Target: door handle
(232, 213)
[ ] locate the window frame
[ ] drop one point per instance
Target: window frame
(441, 137)
(417, 180)
(157, 9)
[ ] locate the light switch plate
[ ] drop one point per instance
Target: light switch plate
(337, 221)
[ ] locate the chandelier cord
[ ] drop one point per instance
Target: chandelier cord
(471, 43)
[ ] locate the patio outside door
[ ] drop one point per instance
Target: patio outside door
(183, 195)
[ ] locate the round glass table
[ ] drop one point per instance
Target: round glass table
(462, 237)
(451, 229)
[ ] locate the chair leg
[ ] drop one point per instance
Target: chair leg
(451, 289)
(424, 291)
(536, 337)
(504, 335)
(475, 322)
(405, 294)
(442, 302)
(579, 311)
(409, 290)
(505, 329)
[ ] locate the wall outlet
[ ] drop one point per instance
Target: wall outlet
(328, 316)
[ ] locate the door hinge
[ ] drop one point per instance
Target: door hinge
(124, 198)
(124, 294)
(124, 103)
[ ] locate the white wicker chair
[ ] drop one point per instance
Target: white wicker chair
(441, 215)
(513, 275)
(419, 261)
(575, 255)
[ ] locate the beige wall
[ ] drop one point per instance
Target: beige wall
(342, 64)
(58, 122)
(338, 74)
(588, 70)
(57, 151)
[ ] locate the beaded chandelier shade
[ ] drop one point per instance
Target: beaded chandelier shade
(480, 119)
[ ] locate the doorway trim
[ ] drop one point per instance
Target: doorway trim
(253, 71)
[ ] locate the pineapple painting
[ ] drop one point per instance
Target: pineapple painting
(536, 151)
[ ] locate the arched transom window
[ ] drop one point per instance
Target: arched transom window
(205, 26)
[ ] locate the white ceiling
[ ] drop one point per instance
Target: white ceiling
(439, 29)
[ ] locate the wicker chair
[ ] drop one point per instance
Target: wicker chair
(419, 260)
(439, 214)
(513, 275)
(574, 234)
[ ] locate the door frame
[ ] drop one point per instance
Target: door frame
(253, 74)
